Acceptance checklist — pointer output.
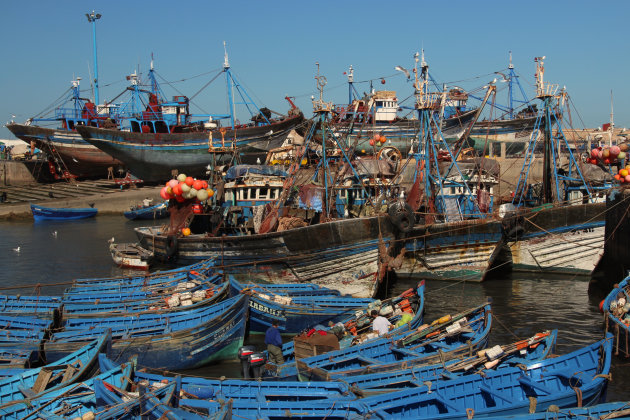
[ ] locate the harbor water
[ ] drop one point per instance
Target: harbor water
(51, 254)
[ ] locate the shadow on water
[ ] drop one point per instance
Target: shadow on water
(522, 304)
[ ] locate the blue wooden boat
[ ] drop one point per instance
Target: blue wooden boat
(49, 213)
(616, 306)
(41, 306)
(609, 410)
(36, 382)
(575, 379)
(93, 307)
(357, 327)
(175, 340)
(238, 389)
(151, 212)
(460, 335)
(535, 348)
(202, 267)
(72, 400)
(295, 313)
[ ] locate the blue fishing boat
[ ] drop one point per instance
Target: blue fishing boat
(40, 306)
(535, 348)
(238, 389)
(175, 340)
(575, 379)
(48, 213)
(93, 306)
(36, 382)
(450, 337)
(616, 306)
(295, 313)
(607, 410)
(406, 314)
(147, 212)
(72, 400)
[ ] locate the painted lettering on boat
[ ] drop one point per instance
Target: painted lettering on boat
(265, 309)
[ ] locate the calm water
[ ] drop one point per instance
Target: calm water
(522, 304)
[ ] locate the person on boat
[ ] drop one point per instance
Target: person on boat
(380, 323)
(274, 344)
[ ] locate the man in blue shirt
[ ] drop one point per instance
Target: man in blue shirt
(274, 344)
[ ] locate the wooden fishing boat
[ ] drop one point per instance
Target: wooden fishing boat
(616, 307)
(174, 340)
(237, 389)
(575, 379)
(64, 371)
(49, 213)
(147, 212)
(357, 329)
(294, 313)
(130, 255)
(72, 400)
(449, 337)
(607, 410)
(154, 303)
(535, 348)
(341, 254)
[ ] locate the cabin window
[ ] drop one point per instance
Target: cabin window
(161, 127)
(70, 125)
(379, 103)
(135, 126)
(263, 193)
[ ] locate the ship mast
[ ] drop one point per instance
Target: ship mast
(611, 129)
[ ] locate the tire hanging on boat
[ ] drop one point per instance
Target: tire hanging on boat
(402, 216)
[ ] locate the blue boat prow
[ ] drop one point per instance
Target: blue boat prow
(157, 211)
(50, 213)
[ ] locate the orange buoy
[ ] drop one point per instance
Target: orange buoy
(601, 306)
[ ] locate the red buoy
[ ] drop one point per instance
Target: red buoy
(601, 306)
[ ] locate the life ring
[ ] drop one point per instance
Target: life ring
(402, 216)
(171, 247)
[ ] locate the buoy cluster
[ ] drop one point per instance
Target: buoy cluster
(608, 155)
(186, 188)
(378, 140)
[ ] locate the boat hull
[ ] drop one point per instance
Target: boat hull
(457, 251)
(153, 156)
(516, 130)
(562, 240)
(49, 213)
(341, 255)
(81, 158)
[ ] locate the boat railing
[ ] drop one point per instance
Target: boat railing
(547, 89)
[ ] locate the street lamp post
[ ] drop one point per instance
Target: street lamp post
(92, 17)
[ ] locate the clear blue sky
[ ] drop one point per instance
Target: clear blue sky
(273, 47)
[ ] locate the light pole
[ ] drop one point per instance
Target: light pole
(92, 17)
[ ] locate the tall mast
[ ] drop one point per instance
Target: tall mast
(350, 82)
(228, 77)
(93, 17)
(612, 121)
(510, 93)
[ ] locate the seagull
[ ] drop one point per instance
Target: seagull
(17, 249)
(54, 234)
(404, 70)
(111, 241)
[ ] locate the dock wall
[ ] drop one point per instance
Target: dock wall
(14, 172)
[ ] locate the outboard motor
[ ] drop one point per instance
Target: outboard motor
(243, 354)
(257, 361)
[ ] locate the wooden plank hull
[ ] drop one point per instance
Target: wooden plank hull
(453, 251)
(341, 254)
(563, 240)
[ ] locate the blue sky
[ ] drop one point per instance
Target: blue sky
(273, 47)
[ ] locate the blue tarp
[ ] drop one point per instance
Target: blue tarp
(241, 170)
